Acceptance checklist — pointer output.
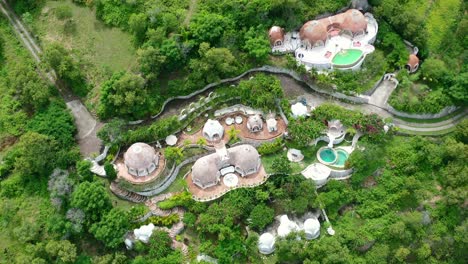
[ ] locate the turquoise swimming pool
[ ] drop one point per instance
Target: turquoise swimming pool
(342, 157)
(334, 157)
(327, 155)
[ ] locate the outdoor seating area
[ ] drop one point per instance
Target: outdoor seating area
(216, 191)
(257, 128)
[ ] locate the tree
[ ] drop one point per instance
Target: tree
(114, 12)
(112, 131)
(461, 131)
(434, 70)
(173, 53)
(151, 61)
(2, 48)
(36, 155)
(93, 199)
(304, 131)
(59, 59)
(112, 228)
(209, 27)
(159, 244)
(261, 216)
(125, 95)
(110, 171)
(61, 251)
(55, 122)
(257, 45)
(261, 91)
(174, 153)
(32, 91)
(138, 24)
(281, 165)
(83, 167)
(214, 63)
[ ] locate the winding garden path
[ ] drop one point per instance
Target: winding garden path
(86, 124)
(177, 227)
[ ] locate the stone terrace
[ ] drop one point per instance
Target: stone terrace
(123, 173)
(220, 189)
(244, 131)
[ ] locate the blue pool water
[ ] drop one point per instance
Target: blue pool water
(342, 157)
(327, 155)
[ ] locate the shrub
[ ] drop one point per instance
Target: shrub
(271, 147)
(281, 165)
(110, 171)
(63, 12)
(180, 199)
(163, 220)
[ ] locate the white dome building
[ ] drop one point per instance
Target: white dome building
(141, 159)
(298, 110)
(144, 232)
(242, 159)
(318, 172)
(312, 228)
(213, 131)
(255, 123)
(286, 226)
(266, 243)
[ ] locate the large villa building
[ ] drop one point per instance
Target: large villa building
(341, 41)
(243, 160)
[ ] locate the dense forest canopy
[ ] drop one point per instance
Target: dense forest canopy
(405, 202)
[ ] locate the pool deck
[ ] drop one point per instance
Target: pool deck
(322, 56)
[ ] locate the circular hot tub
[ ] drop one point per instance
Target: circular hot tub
(327, 155)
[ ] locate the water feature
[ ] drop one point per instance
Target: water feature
(334, 157)
(342, 157)
(327, 155)
(347, 57)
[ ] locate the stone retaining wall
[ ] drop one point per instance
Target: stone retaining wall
(446, 111)
(170, 179)
(340, 174)
(360, 99)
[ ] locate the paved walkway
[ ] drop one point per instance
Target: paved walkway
(379, 98)
(86, 124)
(382, 93)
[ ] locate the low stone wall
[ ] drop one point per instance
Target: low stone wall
(446, 111)
(340, 174)
(327, 139)
(237, 108)
(171, 178)
(233, 188)
(283, 116)
(372, 90)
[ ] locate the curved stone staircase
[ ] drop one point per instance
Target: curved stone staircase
(127, 195)
(176, 228)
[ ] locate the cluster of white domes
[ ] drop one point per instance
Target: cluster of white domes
(311, 228)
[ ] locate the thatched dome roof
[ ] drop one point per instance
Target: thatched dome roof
(275, 33)
(353, 20)
(139, 156)
(313, 31)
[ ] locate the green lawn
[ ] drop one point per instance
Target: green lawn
(102, 49)
(179, 183)
(116, 201)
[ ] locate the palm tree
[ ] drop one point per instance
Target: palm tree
(233, 134)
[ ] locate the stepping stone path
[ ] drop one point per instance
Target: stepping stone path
(176, 228)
